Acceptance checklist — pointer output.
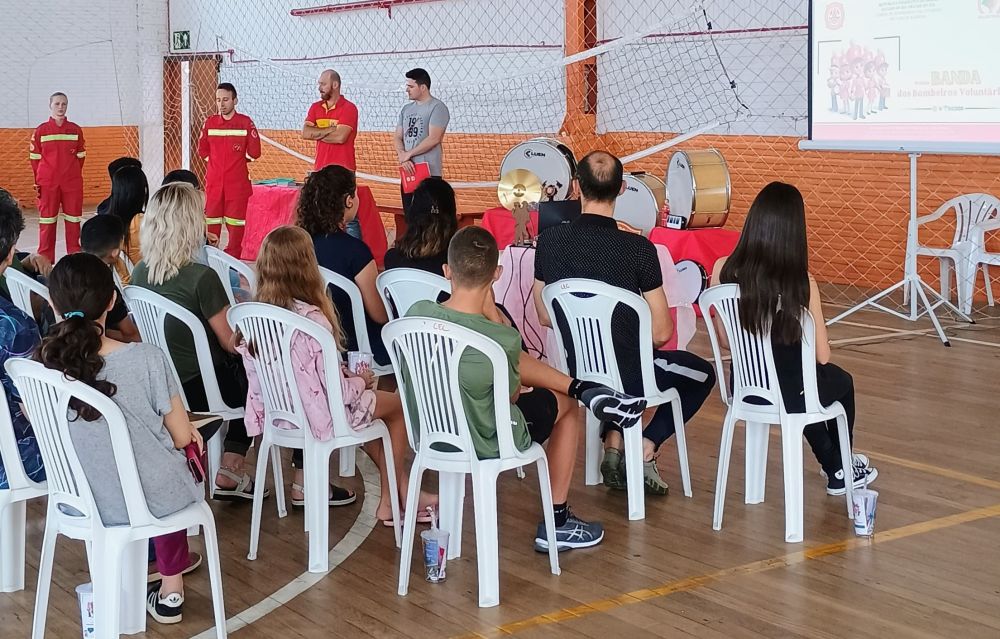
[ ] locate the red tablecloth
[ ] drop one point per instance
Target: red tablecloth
(704, 246)
(500, 223)
(272, 206)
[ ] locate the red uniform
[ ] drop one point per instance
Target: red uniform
(228, 146)
(56, 153)
(343, 112)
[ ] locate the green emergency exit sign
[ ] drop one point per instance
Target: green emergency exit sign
(182, 40)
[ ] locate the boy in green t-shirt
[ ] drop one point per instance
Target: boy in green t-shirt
(547, 412)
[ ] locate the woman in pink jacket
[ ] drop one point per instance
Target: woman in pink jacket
(288, 276)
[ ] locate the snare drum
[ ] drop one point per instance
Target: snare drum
(640, 203)
(691, 282)
(551, 160)
(699, 188)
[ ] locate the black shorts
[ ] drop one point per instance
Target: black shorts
(540, 409)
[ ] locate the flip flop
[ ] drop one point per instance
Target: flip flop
(423, 518)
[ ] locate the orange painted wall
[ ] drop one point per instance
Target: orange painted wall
(857, 204)
(104, 144)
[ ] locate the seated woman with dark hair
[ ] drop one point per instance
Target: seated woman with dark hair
(431, 222)
(771, 266)
(129, 196)
(136, 376)
(328, 201)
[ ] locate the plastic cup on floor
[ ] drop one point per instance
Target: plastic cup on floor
(865, 504)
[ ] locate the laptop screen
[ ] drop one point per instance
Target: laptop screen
(555, 213)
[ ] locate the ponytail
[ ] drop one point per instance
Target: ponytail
(82, 288)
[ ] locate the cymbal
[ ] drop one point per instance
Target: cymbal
(519, 186)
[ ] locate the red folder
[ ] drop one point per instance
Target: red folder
(409, 183)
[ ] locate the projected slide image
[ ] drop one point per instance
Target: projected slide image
(904, 70)
(858, 77)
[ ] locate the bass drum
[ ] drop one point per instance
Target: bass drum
(640, 203)
(692, 280)
(699, 189)
(550, 160)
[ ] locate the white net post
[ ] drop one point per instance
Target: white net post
(152, 29)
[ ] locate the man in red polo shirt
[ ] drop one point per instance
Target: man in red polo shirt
(332, 123)
(56, 153)
(229, 142)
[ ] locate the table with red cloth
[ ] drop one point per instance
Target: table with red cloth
(271, 206)
(704, 246)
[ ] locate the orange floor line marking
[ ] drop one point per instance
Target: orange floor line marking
(692, 583)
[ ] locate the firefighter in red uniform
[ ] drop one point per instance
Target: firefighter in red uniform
(228, 142)
(56, 153)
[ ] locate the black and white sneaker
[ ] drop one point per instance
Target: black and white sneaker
(575, 533)
(165, 609)
(862, 477)
(608, 405)
(860, 460)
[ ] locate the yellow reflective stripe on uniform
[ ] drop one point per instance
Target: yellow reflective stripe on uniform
(72, 218)
(213, 220)
(81, 154)
(34, 156)
(232, 221)
(226, 133)
(48, 220)
(60, 136)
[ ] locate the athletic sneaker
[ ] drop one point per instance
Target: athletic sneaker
(651, 479)
(608, 405)
(166, 609)
(575, 533)
(862, 476)
(860, 460)
(612, 469)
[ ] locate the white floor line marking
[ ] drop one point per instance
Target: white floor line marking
(343, 549)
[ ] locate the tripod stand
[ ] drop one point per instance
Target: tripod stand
(915, 289)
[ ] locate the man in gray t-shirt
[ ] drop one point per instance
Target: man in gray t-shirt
(422, 125)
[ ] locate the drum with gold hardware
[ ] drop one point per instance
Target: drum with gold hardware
(640, 203)
(550, 160)
(699, 189)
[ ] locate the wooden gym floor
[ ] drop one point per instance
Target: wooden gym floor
(927, 416)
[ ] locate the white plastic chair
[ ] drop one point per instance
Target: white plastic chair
(755, 375)
(974, 213)
(222, 263)
(150, 311)
(13, 505)
(401, 288)
(430, 350)
(588, 306)
(21, 287)
(268, 331)
(116, 554)
(357, 318)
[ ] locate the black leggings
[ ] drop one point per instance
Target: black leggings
(834, 385)
(693, 378)
(233, 387)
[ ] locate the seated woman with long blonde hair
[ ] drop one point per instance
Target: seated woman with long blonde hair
(288, 277)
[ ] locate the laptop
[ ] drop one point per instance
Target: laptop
(558, 212)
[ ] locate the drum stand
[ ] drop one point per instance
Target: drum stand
(912, 284)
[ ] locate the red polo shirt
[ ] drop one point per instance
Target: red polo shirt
(343, 112)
